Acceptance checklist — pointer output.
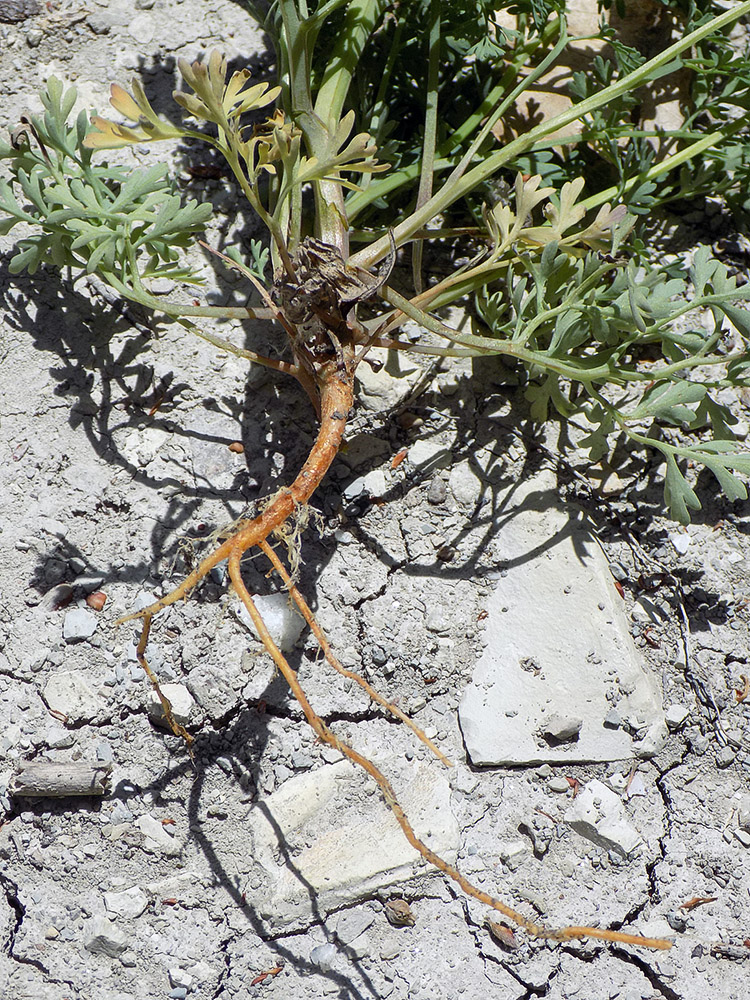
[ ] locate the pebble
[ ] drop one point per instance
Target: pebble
(104, 938)
(618, 571)
(437, 491)
(612, 720)
(725, 756)
(128, 904)
(676, 920)
(179, 978)
(282, 621)
(465, 484)
(681, 541)
(372, 484)
(675, 715)
(78, 624)
(598, 814)
(562, 727)
(558, 785)
(323, 955)
(157, 838)
(34, 37)
(512, 852)
(743, 810)
(743, 836)
(644, 610)
(183, 704)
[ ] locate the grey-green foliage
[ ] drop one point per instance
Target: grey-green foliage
(91, 216)
(591, 329)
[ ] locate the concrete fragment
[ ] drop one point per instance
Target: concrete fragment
(68, 693)
(559, 785)
(341, 855)
(182, 702)
(562, 727)
(282, 620)
(158, 841)
(598, 814)
(352, 923)
(681, 541)
(128, 904)
(675, 715)
(78, 624)
(372, 484)
(512, 852)
(104, 938)
(558, 642)
(212, 690)
(428, 455)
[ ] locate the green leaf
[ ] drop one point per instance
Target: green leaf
(670, 401)
(678, 494)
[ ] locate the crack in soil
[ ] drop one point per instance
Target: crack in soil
(11, 895)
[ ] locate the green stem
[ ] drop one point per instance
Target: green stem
(450, 192)
(319, 122)
(430, 130)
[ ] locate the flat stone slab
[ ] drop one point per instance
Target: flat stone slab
(558, 648)
(323, 845)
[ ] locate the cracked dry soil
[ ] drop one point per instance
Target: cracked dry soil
(201, 882)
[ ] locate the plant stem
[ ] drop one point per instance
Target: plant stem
(449, 193)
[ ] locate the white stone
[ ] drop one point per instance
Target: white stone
(68, 693)
(78, 624)
(373, 483)
(681, 541)
(342, 851)
(128, 904)
(178, 977)
(557, 642)
(182, 702)
(743, 810)
(464, 483)
(158, 841)
(675, 715)
(428, 455)
(562, 727)
(559, 785)
(512, 852)
(104, 938)
(644, 610)
(282, 620)
(391, 380)
(598, 814)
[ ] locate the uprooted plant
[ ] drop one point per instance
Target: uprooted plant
(569, 299)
